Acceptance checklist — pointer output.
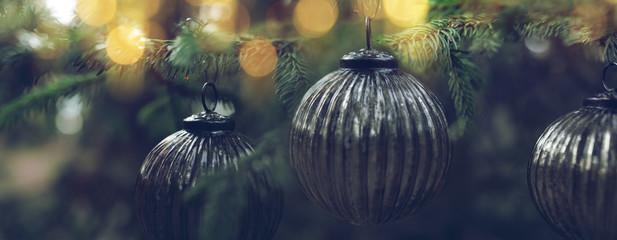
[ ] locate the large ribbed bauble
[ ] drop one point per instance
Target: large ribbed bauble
(369, 143)
(207, 144)
(573, 171)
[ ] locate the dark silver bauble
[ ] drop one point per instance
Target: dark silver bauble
(206, 145)
(369, 143)
(573, 171)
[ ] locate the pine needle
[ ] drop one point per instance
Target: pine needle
(292, 76)
(17, 110)
(438, 42)
(463, 78)
(427, 43)
(610, 48)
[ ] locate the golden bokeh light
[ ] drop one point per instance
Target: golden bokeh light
(202, 2)
(96, 12)
(230, 17)
(406, 13)
(147, 8)
(125, 45)
(258, 58)
(588, 22)
(314, 18)
(368, 8)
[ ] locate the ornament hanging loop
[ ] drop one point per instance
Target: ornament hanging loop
(369, 9)
(367, 22)
(203, 96)
(611, 64)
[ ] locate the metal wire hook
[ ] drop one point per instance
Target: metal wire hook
(203, 96)
(367, 23)
(604, 76)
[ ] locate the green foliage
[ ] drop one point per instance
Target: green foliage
(16, 110)
(182, 55)
(463, 80)
(610, 48)
(438, 42)
(292, 76)
(543, 28)
(14, 16)
(427, 43)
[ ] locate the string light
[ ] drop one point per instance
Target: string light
(406, 13)
(96, 12)
(258, 58)
(314, 18)
(124, 44)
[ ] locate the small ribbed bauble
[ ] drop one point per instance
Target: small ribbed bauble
(207, 145)
(572, 174)
(369, 143)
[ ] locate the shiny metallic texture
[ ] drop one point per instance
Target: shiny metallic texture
(207, 145)
(370, 144)
(572, 174)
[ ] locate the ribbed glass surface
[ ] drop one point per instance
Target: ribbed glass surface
(370, 147)
(573, 174)
(176, 164)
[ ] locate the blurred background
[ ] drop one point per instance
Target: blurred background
(68, 161)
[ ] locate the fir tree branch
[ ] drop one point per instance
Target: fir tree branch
(431, 42)
(182, 56)
(438, 41)
(543, 28)
(463, 79)
(16, 110)
(292, 76)
(610, 48)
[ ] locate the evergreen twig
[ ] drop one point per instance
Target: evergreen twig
(463, 79)
(292, 75)
(41, 98)
(431, 42)
(610, 48)
(438, 41)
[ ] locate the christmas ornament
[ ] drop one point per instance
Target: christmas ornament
(369, 143)
(572, 174)
(206, 145)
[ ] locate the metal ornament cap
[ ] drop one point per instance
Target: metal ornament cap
(572, 173)
(368, 59)
(602, 100)
(208, 121)
(369, 143)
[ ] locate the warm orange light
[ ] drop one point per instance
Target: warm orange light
(314, 18)
(202, 2)
(96, 12)
(588, 22)
(230, 17)
(406, 13)
(368, 8)
(148, 8)
(125, 45)
(258, 58)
